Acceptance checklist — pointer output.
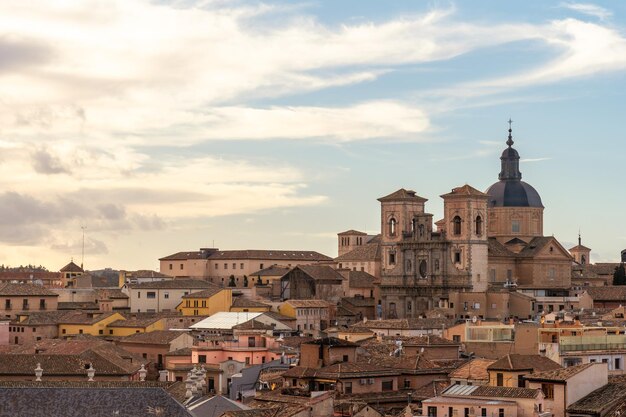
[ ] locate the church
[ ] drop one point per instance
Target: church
(487, 244)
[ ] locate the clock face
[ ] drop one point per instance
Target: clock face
(423, 268)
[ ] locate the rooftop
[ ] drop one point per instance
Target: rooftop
(475, 369)
(224, 320)
(308, 303)
(157, 337)
(174, 284)
(10, 289)
(209, 292)
(557, 375)
(516, 362)
(490, 392)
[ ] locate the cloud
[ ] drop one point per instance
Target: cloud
(535, 159)
(589, 9)
(46, 163)
(92, 246)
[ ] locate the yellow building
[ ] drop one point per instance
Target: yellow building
(132, 326)
(94, 324)
(206, 302)
(243, 305)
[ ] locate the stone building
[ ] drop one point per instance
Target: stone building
(485, 241)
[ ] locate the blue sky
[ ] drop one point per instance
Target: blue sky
(167, 126)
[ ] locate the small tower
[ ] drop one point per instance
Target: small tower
(465, 219)
(580, 253)
(349, 240)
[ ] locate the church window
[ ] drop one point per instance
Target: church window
(515, 226)
(457, 225)
(583, 260)
(436, 264)
(413, 225)
(392, 258)
(421, 229)
(423, 269)
(479, 225)
(457, 257)
(408, 265)
(392, 227)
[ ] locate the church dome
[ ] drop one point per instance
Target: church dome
(511, 191)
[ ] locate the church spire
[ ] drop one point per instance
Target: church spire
(510, 160)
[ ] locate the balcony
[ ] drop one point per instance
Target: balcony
(592, 343)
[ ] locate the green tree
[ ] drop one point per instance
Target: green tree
(619, 276)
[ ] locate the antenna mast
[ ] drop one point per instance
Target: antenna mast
(82, 258)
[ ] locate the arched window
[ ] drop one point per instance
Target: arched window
(421, 228)
(479, 225)
(457, 225)
(583, 260)
(409, 266)
(392, 227)
(413, 225)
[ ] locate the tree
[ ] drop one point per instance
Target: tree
(619, 276)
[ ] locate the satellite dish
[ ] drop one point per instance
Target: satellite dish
(474, 319)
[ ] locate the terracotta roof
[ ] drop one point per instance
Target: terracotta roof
(182, 256)
(157, 337)
(71, 267)
(144, 273)
(516, 362)
(465, 190)
(361, 279)
(81, 317)
(77, 305)
(42, 318)
(135, 322)
(308, 303)
(352, 232)
(408, 324)
(601, 402)
(112, 294)
(562, 374)
(331, 341)
(180, 352)
(271, 271)
(209, 292)
(490, 392)
(495, 248)
(319, 272)
(173, 284)
(299, 372)
(358, 302)
(475, 369)
(607, 293)
(369, 252)
(403, 195)
(429, 340)
(287, 255)
(241, 302)
(277, 316)
(253, 325)
(9, 289)
(432, 389)
(294, 342)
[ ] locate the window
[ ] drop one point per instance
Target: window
(548, 391)
(260, 266)
(241, 265)
(436, 264)
(407, 383)
(171, 266)
(520, 381)
(456, 225)
(409, 306)
(217, 266)
(492, 275)
(144, 355)
(110, 331)
(457, 257)
(479, 225)
(138, 294)
(618, 364)
(80, 331)
(166, 295)
(7, 304)
(251, 342)
(392, 258)
(100, 331)
(392, 227)
(25, 303)
(247, 361)
(151, 294)
(515, 227)
(499, 379)
(432, 411)
(234, 265)
(63, 331)
(551, 273)
(347, 387)
(423, 268)
(483, 412)
(456, 338)
(500, 412)
(42, 304)
(201, 358)
(182, 266)
(225, 265)
(387, 385)
(345, 358)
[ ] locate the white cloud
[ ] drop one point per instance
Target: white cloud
(589, 9)
(535, 159)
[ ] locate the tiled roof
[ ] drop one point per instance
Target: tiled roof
(294, 342)
(180, 352)
(429, 340)
(135, 322)
(361, 279)
(475, 369)
(71, 267)
(601, 402)
(343, 311)
(432, 389)
(287, 255)
(81, 317)
(320, 272)
(271, 271)
(112, 294)
(490, 392)
(209, 292)
(354, 370)
(358, 302)
(408, 324)
(352, 232)
(144, 273)
(43, 318)
(607, 293)
(562, 374)
(89, 401)
(465, 190)
(173, 284)
(253, 325)
(9, 289)
(308, 303)
(331, 341)
(277, 316)
(403, 195)
(496, 248)
(369, 252)
(157, 337)
(516, 362)
(182, 256)
(240, 302)
(77, 305)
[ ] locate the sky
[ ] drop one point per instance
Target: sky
(166, 126)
